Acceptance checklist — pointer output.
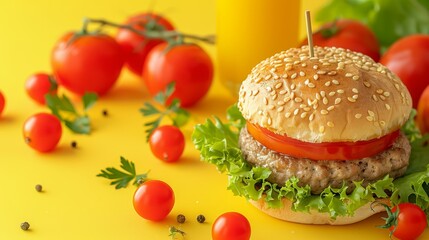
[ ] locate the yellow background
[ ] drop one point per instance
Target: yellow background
(77, 205)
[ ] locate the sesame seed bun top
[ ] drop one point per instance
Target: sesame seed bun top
(336, 96)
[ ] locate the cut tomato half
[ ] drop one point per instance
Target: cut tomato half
(321, 151)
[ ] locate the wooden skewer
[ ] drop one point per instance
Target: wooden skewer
(309, 33)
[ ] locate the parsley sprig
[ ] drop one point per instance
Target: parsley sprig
(174, 232)
(64, 109)
(122, 178)
(173, 111)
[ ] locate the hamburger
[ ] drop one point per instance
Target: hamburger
(319, 138)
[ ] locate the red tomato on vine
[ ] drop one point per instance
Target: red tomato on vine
(87, 62)
(42, 132)
(188, 65)
(135, 46)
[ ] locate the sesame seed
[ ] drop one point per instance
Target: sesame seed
(337, 100)
(387, 106)
(311, 117)
(340, 91)
(265, 100)
(293, 76)
(331, 93)
(316, 77)
(304, 65)
(386, 94)
(325, 100)
(306, 81)
(355, 77)
(292, 86)
(288, 60)
(397, 86)
(332, 73)
(315, 67)
(367, 84)
(371, 113)
(280, 109)
(269, 89)
(302, 105)
(322, 93)
(303, 115)
(351, 99)
(330, 108)
(328, 83)
(280, 103)
(375, 98)
(355, 90)
(321, 72)
(298, 99)
(274, 97)
(287, 115)
(282, 92)
(258, 80)
(286, 99)
(321, 129)
(382, 123)
(382, 97)
(370, 118)
(267, 77)
(292, 95)
(301, 73)
(330, 124)
(269, 121)
(271, 107)
(318, 96)
(349, 74)
(256, 92)
(340, 65)
(311, 85)
(296, 111)
(379, 91)
(335, 82)
(358, 115)
(278, 85)
(307, 109)
(323, 112)
(355, 96)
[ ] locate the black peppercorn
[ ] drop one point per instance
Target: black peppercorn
(38, 187)
(201, 218)
(25, 226)
(181, 218)
(73, 144)
(105, 113)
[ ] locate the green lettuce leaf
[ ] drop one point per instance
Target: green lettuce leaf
(218, 145)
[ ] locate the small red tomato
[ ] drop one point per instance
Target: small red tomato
(167, 143)
(2, 102)
(40, 84)
(411, 221)
(135, 46)
(42, 132)
(231, 226)
(87, 63)
(348, 34)
(154, 200)
(188, 65)
(409, 59)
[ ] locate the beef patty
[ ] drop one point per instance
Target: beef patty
(319, 174)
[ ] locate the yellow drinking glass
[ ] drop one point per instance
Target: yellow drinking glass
(249, 31)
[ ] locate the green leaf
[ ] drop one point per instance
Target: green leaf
(89, 100)
(122, 178)
(410, 128)
(148, 109)
(79, 125)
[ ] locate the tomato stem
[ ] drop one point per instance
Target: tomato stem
(167, 35)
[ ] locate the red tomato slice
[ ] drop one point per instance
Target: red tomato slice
(321, 151)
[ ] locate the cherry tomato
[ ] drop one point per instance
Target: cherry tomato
(154, 200)
(87, 63)
(135, 46)
(188, 65)
(231, 226)
(40, 84)
(348, 34)
(321, 151)
(167, 143)
(409, 59)
(2, 102)
(42, 132)
(411, 221)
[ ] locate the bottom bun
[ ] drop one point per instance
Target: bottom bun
(313, 217)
